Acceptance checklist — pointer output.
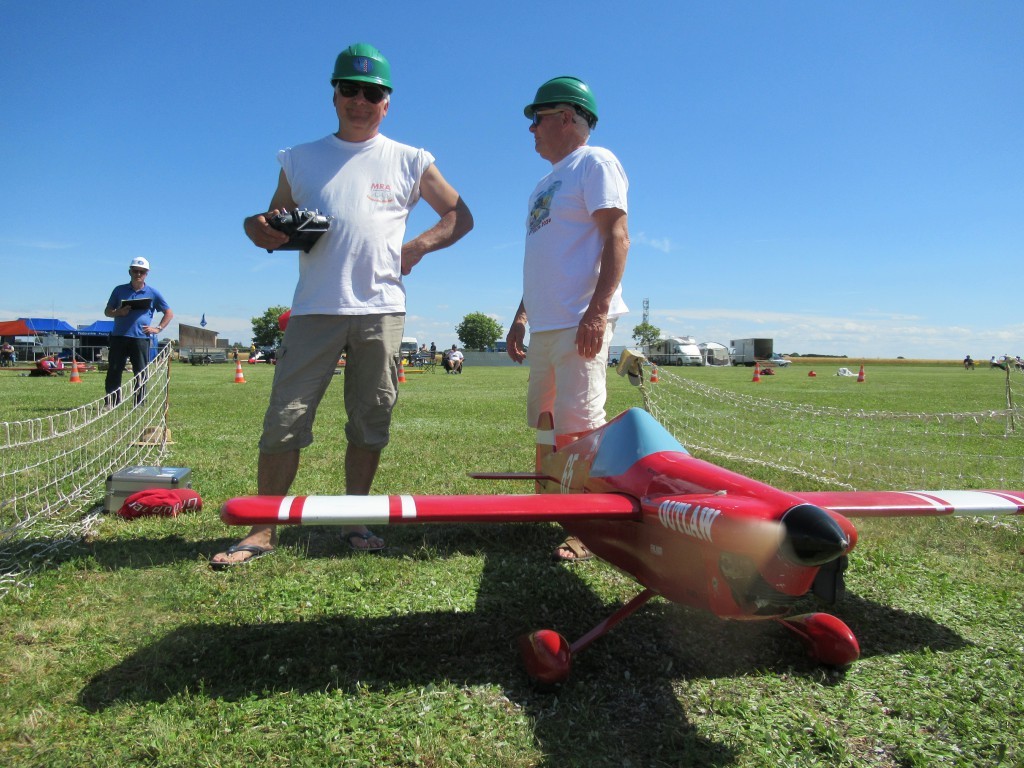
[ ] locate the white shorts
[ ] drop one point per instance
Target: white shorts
(572, 388)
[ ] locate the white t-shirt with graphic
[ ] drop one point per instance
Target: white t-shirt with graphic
(563, 244)
(369, 188)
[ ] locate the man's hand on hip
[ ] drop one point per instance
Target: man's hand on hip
(590, 336)
(515, 339)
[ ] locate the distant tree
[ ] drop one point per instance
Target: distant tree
(265, 331)
(646, 334)
(478, 331)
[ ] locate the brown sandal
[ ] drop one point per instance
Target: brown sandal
(578, 548)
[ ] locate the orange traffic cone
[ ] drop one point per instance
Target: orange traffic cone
(812, 374)
(239, 376)
(757, 373)
(75, 378)
(654, 374)
(860, 376)
(401, 373)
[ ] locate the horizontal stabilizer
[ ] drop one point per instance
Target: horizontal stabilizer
(918, 503)
(392, 510)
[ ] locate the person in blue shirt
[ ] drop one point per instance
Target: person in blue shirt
(133, 328)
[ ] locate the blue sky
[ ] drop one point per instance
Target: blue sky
(846, 178)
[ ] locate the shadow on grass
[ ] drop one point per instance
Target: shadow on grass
(695, 643)
(622, 687)
(613, 709)
(706, 645)
(641, 718)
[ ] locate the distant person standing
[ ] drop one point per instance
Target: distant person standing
(576, 247)
(132, 306)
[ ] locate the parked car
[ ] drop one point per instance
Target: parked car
(264, 355)
(779, 360)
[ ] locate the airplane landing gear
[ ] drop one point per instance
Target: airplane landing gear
(547, 655)
(826, 638)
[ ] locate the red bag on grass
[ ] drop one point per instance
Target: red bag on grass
(160, 502)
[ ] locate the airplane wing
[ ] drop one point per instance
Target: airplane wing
(509, 476)
(918, 503)
(392, 510)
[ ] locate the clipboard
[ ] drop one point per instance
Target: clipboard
(137, 303)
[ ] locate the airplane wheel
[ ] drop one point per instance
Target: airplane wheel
(827, 639)
(546, 655)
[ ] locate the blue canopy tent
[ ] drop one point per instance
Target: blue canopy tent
(41, 326)
(96, 328)
(33, 326)
(97, 334)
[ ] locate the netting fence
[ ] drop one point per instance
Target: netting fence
(53, 469)
(799, 446)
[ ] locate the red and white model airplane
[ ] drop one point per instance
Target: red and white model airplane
(685, 529)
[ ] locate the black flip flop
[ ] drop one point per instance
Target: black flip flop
(253, 549)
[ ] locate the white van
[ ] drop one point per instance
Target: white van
(676, 350)
(409, 347)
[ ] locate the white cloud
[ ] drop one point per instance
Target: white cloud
(659, 244)
(43, 245)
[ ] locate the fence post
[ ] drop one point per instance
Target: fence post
(1009, 398)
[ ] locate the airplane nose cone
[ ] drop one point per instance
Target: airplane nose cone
(813, 537)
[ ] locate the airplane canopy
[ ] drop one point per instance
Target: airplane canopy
(629, 437)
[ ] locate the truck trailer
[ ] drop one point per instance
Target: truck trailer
(750, 351)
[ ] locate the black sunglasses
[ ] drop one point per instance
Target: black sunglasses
(372, 93)
(538, 114)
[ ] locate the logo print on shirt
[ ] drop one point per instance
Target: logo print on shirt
(381, 193)
(540, 213)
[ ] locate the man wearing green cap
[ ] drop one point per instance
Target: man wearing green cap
(350, 297)
(576, 246)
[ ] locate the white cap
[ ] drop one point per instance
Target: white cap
(139, 262)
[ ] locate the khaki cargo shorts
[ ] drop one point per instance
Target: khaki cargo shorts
(306, 363)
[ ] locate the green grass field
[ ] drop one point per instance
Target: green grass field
(130, 651)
